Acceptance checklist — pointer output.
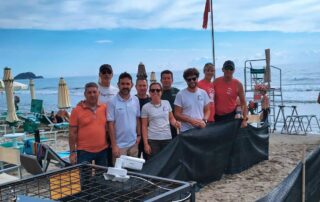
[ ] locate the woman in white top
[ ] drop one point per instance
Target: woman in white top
(156, 117)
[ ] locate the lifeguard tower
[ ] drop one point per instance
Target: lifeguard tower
(259, 72)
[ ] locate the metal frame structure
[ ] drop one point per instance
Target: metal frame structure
(274, 91)
(85, 182)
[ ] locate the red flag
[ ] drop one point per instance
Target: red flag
(205, 14)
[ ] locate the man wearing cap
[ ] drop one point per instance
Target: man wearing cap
(106, 90)
(192, 104)
(227, 89)
(106, 93)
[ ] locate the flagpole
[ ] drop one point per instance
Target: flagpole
(212, 35)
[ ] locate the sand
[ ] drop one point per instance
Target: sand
(285, 151)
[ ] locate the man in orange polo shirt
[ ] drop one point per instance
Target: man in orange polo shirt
(87, 133)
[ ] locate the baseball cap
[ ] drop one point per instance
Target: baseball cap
(228, 65)
(106, 68)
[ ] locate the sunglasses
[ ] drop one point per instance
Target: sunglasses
(229, 68)
(155, 90)
(191, 79)
(106, 71)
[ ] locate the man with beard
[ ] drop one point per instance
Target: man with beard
(192, 104)
(88, 127)
(124, 120)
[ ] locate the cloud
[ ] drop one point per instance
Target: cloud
(104, 41)
(242, 15)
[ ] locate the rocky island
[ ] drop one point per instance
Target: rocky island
(27, 75)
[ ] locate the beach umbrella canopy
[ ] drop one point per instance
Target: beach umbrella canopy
(31, 86)
(8, 85)
(16, 86)
(63, 95)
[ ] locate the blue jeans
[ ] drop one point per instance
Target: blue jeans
(100, 158)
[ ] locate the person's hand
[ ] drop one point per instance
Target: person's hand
(73, 158)
(177, 124)
(244, 123)
(115, 151)
(138, 139)
(147, 149)
(196, 122)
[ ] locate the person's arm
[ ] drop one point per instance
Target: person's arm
(73, 135)
(138, 129)
(144, 123)
(184, 118)
(115, 148)
(206, 112)
(243, 104)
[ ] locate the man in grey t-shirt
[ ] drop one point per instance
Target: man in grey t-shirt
(192, 104)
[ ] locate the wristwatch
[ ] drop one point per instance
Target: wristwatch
(205, 121)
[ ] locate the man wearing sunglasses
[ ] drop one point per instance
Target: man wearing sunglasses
(106, 93)
(106, 90)
(227, 89)
(192, 104)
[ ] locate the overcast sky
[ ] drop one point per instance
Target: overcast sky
(74, 37)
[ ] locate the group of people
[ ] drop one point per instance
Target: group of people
(111, 122)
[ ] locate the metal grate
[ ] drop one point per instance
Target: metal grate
(86, 183)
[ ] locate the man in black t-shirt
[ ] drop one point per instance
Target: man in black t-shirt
(142, 87)
(169, 93)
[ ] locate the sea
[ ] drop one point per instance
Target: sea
(300, 87)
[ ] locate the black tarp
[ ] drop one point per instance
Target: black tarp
(203, 155)
(251, 146)
(290, 189)
(313, 176)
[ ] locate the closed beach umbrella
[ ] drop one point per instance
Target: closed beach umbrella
(267, 74)
(31, 86)
(153, 77)
(8, 85)
(142, 74)
(63, 95)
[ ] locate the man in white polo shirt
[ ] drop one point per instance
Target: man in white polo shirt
(124, 119)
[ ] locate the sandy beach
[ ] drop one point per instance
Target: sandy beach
(285, 151)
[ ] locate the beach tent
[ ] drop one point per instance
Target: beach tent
(16, 86)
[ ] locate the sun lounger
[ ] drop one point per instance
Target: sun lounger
(42, 155)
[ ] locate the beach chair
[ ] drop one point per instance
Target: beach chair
(60, 127)
(9, 162)
(42, 156)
